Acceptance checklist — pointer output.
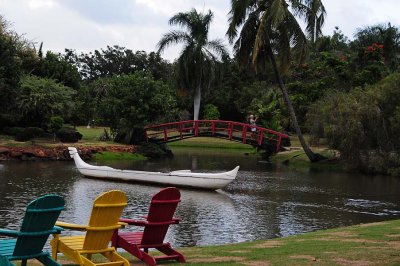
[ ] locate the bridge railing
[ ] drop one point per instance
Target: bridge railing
(231, 130)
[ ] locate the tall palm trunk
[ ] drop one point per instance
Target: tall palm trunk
(196, 103)
(310, 154)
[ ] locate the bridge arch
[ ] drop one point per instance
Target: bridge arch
(234, 131)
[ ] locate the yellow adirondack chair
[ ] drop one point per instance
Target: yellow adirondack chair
(107, 209)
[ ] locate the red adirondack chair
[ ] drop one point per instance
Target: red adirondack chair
(156, 223)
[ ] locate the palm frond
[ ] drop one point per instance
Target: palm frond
(172, 37)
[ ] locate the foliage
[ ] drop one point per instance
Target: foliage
(24, 134)
(55, 67)
(210, 112)
(154, 150)
(134, 101)
(9, 72)
(40, 98)
(69, 135)
(266, 104)
(363, 125)
(56, 123)
(198, 63)
(370, 65)
(227, 94)
(270, 33)
(337, 42)
(116, 60)
(385, 35)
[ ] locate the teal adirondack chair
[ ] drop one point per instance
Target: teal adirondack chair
(38, 223)
(5, 262)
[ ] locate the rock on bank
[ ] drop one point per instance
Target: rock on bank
(55, 153)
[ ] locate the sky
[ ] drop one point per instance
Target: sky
(87, 25)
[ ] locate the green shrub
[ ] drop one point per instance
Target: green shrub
(210, 112)
(12, 131)
(67, 134)
(25, 134)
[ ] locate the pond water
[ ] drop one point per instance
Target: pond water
(265, 201)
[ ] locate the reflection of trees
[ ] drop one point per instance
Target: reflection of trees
(22, 182)
(207, 218)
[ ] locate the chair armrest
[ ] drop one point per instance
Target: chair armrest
(176, 220)
(70, 226)
(122, 224)
(57, 229)
(5, 232)
(133, 222)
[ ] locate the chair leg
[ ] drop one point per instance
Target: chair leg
(54, 246)
(149, 260)
(168, 250)
(48, 261)
(23, 262)
(113, 256)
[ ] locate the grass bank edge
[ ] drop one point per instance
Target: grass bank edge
(375, 243)
(363, 244)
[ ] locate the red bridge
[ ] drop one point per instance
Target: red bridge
(230, 130)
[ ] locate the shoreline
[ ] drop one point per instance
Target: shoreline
(57, 153)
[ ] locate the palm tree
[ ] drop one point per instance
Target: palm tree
(199, 58)
(269, 31)
(313, 12)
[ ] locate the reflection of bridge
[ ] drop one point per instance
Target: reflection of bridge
(234, 131)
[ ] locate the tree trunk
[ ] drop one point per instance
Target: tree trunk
(196, 103)
(310, 154)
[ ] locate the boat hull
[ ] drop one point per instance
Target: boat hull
(181, 178)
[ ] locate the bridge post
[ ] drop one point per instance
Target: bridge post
(244, 134)
(180, 130)
(230, 130)
(165, 134)
(278, 145)
(145, 135)
(260, 136)
(196, 128)
(213, 128)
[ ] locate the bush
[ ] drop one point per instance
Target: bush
(154, 150)
(363, 125)
(12, 131)
(24, 134)
(7, 120)
(67, 134)
(210, 112)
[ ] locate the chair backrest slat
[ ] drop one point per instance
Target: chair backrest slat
(40, 217)
(106, 212)
(162, 209)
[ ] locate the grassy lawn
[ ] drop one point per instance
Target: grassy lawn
(90, 137)
(206, 142)
(366, 244)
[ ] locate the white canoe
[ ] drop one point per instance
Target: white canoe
(180, 178)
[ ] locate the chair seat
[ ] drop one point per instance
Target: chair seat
(132, 238)
(73, 242)
(7, 247)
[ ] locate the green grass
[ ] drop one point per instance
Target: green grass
(205, 142)
(91, 134)
(368, 244)
(113, 156)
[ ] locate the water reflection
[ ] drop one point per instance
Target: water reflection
(265, 201)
